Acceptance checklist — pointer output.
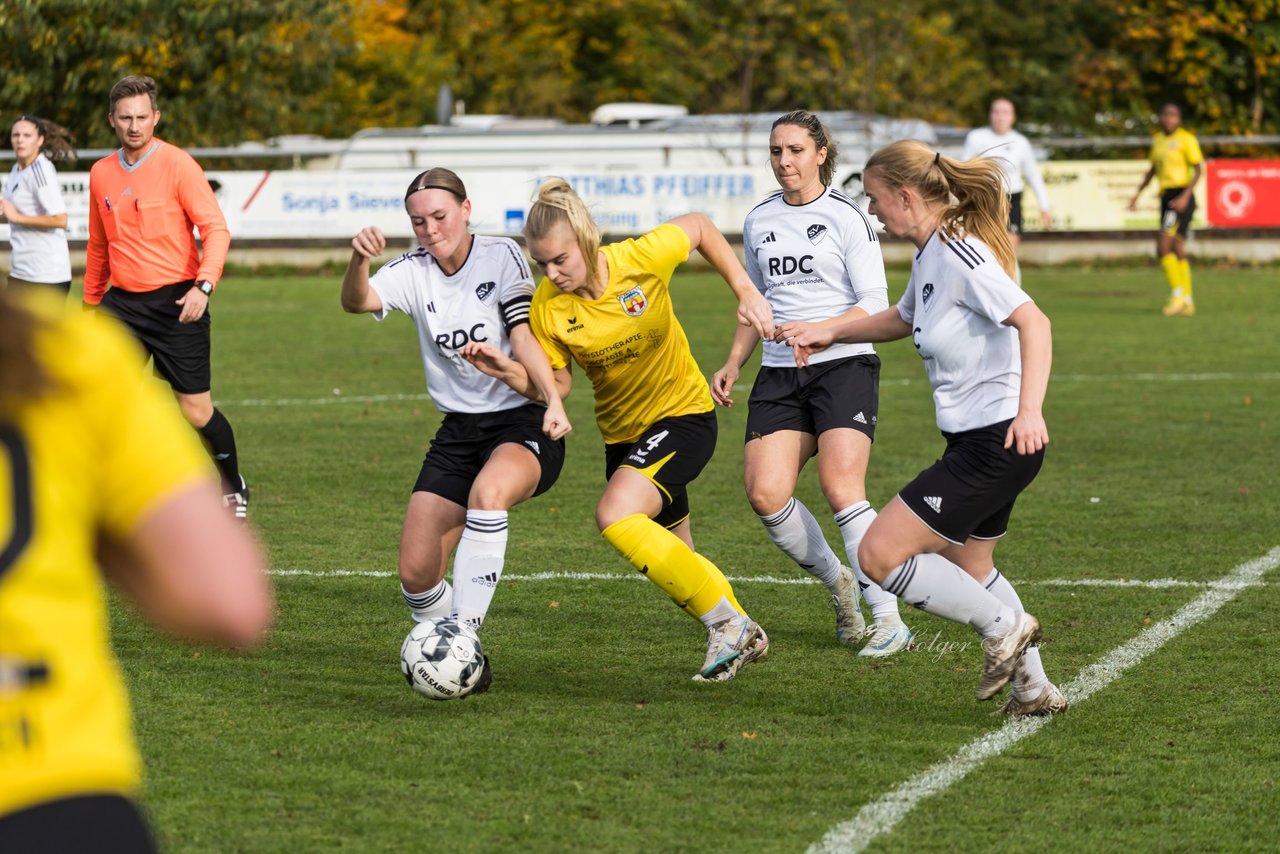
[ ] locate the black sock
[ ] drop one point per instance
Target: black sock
(222, 447)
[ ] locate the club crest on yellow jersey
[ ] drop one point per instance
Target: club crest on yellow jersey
(633, 302)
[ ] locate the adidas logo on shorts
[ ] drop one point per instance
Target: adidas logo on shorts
(860, 418)
(935, 502)
(534, 445)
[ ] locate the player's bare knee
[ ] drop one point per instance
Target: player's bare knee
(875, 558)
(766, 498)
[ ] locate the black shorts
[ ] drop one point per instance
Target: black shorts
(671, 454)
(839, 393)
(970, 491)
(90, 824)
(180, 350)
(1173, 223)
(1015, 213)
(464, 443)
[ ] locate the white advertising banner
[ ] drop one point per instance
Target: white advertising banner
(1084, 196)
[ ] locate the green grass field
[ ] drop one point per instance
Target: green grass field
(1163, 464)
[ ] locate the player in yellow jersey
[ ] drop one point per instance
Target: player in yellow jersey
(99, 476)
(608, 309)
(1176, 161)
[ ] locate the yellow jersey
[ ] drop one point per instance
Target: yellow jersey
(1172, 156)
(629, 342)
(95, 453)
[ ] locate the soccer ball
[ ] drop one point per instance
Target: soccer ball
(441, 659)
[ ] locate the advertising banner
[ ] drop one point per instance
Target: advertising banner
(1244, 193)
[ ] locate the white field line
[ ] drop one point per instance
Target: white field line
(879, 817)
(1151, 584)
(1264, 376)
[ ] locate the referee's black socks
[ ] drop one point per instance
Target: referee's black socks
(222, 446)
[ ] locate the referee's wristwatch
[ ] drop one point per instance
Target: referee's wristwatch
(206, 288)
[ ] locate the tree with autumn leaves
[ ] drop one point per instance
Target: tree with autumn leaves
(233, 70)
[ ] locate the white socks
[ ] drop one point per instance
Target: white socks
(430, 604)
(854, 522)
(937, 586)
(477, 564)
(1032, 668)
(794, 530)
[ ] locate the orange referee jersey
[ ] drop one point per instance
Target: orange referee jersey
(140, 223)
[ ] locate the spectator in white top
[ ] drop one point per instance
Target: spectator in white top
(33, 206)
(494, 448)
(987, 349)
(1013, 152)
(814, 256)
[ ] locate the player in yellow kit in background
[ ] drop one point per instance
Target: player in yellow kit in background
(99, 476)
(608, 309)
(1176, 161)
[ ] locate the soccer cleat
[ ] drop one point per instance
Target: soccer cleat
(886, 639)
(1002, 654)
(1179, 306)
(238, 501)
(1050, 702)
(850, 627)
(731, 644)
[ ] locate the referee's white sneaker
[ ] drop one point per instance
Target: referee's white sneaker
(238, 501)
(1002, 654)
(890, 636)
(850, 626)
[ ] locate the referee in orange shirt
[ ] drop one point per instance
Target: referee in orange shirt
(143, 264)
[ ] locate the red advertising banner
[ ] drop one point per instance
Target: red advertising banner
(1244, 193)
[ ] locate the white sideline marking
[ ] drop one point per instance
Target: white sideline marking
(1151, 584)
(1266, 376)
(881, 816)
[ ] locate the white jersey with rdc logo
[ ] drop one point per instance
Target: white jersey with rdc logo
(487, 298)
(813, 262)
(957, 302)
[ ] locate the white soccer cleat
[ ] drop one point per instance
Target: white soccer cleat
(1050, 702)
(1002, 654)
(887, 638)
(850, 626)
(732, 644)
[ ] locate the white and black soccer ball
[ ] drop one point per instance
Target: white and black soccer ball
(442, 659)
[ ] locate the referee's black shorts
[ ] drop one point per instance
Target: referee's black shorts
(1015, 213)
(180, 350)
(970, 491)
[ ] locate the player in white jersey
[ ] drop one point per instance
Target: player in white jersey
(33, 205)
(987, 349)
(1012, 151)
(815, 256)
(494, 448)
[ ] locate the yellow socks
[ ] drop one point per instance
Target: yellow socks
(1173, 272)
(1184, 270)
(693, 582)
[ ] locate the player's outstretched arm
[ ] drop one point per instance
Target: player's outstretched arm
(753, 309)
(357, 296)
(533, 359)
(193, 570)
(805, 338)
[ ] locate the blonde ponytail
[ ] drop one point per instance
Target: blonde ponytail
(557, 204)
(971, 191)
